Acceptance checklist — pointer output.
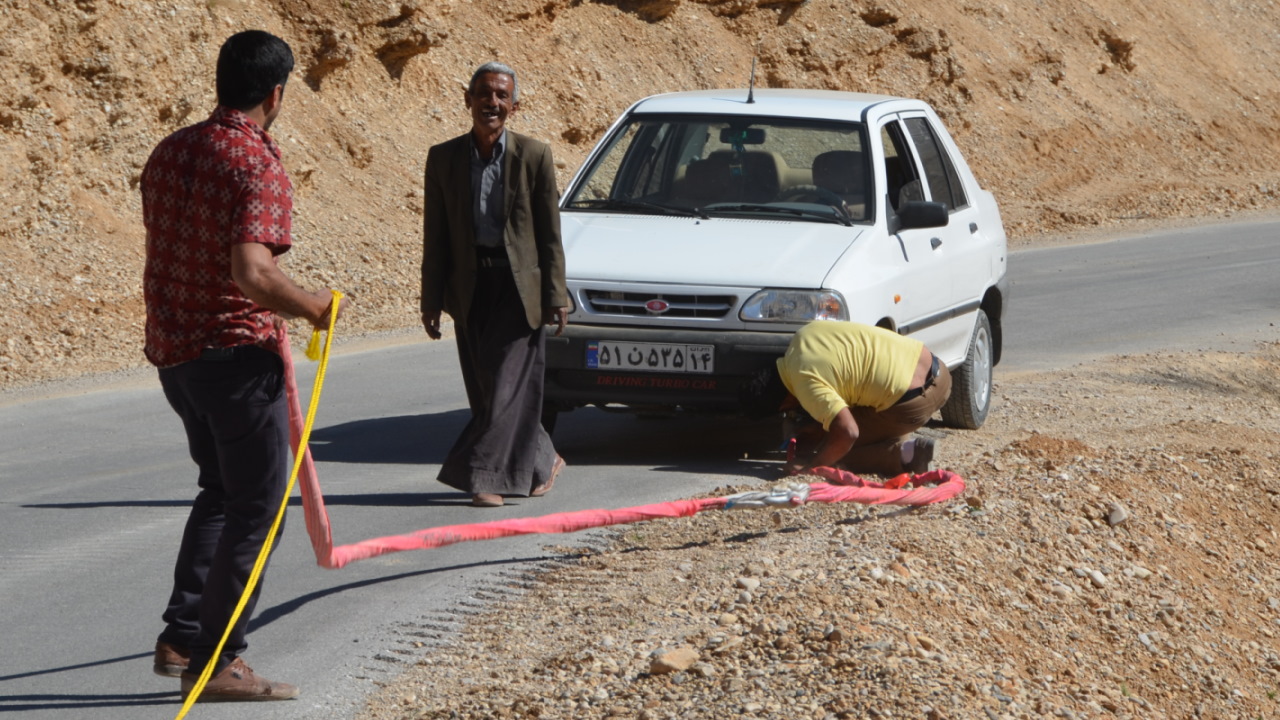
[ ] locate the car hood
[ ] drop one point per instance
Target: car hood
(690, 251)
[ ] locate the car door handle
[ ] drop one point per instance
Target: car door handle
(935, 242)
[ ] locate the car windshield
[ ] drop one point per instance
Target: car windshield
(717, 166)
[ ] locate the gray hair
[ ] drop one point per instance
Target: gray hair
(501, 69)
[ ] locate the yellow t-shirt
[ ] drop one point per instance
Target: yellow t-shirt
(833, 365)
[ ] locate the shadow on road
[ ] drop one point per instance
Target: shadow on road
(586, 436)
(402, 439)
(33, 703)
(700, 444)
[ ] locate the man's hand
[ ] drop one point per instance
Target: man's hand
(838, 441)
(322, 323)
(431, 323)
(557, 316)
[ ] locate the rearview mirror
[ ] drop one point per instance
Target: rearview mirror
(742, 136)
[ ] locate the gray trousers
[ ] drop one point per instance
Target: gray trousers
(504, 448)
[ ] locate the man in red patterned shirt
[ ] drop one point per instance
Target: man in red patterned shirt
(216, 204)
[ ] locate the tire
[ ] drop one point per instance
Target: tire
(971, 381)
(549, 416)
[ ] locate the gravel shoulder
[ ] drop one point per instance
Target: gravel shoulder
(1112, 556)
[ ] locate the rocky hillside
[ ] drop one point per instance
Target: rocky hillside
(1077, 114)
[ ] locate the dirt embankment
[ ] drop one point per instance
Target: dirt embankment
(1077, 115)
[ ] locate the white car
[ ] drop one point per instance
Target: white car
(706, 227)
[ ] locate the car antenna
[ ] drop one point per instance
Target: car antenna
(751, 84)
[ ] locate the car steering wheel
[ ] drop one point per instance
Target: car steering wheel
(810, 193)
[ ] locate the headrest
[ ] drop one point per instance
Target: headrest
(839, 171)
(710, 172)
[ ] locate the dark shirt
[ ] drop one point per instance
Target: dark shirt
(486, 194)
(205, 188)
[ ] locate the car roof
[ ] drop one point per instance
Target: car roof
(775, 102)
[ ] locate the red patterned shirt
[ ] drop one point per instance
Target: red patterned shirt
(205, 188)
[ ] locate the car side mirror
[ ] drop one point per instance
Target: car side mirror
(919, 214)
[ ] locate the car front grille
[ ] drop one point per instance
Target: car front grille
(603, 302)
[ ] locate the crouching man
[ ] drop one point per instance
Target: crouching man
(864, 391)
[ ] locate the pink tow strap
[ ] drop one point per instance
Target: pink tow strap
(844, 487)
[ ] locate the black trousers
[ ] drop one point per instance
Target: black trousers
(233, 406)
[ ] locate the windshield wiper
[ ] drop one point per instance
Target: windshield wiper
(623, 204)
(835, 215)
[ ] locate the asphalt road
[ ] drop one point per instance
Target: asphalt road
(95, 480)
(1205, 288)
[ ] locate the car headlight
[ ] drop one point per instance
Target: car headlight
(794, 306)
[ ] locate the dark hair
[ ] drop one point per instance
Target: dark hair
(499, 69)
(250, 65)
(762, 393)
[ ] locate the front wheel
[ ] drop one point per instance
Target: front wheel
(971, 381)
(550, 413)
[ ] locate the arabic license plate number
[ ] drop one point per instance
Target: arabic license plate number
(651, 357)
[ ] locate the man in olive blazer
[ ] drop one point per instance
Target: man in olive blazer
(492, 259)
(532, 231)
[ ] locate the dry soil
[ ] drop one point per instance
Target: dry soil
(1079, 115)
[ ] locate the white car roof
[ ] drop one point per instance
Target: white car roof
(814, 104)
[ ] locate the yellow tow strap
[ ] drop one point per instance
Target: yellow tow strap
(315, 353)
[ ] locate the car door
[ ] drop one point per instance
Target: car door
(925, 291)
(967, 249)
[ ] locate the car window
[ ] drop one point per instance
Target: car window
(902, 181)
(939, 170)
(599, 185)
(737, 164)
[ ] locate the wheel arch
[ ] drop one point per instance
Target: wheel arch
(993, 306)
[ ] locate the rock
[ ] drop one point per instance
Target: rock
(728, 644)
(666, 661)
(1117, 515)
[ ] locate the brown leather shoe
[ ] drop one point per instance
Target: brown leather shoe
(237, 683)
(171, 660)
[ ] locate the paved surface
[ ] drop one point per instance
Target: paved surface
(1205, 288)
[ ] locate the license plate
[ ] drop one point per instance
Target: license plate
(651, 357)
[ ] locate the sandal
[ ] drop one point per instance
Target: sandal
(545, 487)
(486, 500)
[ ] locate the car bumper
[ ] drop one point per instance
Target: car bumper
(570, 383)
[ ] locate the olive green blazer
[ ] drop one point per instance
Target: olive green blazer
(531, 233)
